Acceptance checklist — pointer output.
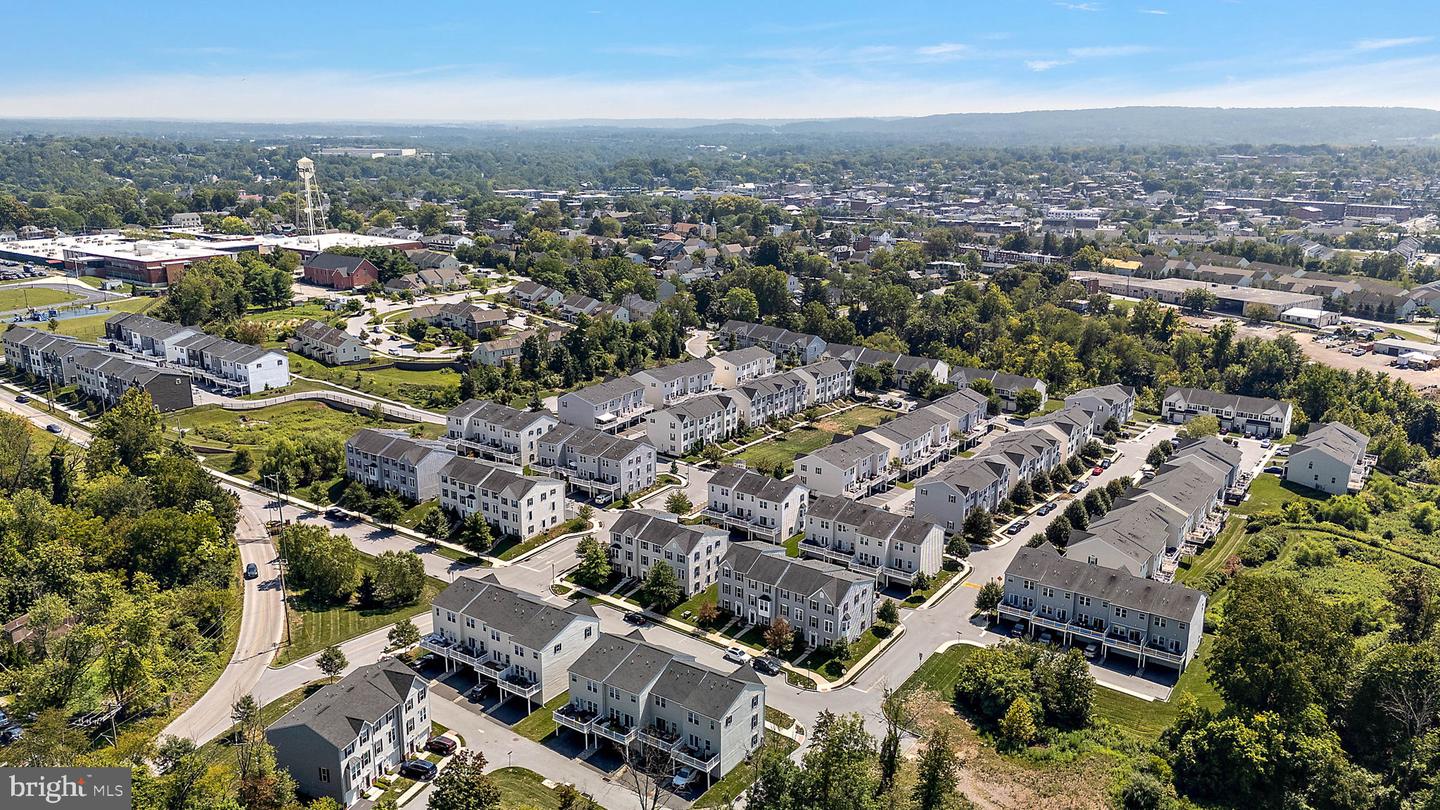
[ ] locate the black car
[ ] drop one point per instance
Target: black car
(10, 733)
(22, 398)
(765, 665)
(251, 571)
(419, 769)
(637, 619)
(53, 428)
(1076, 487)
(444, 746)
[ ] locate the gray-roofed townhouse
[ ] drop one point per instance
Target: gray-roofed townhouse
(1330, 457)
(517, 505)
(758, 505)
(642, 538)
(603, 465)
(667, 385)
(1030, 450)
(42, 354)
(498, 432)
(392, 461)
(968, 411)
(326, 344)
(827, 380)
(106, 377)
(734, 368)
(694, 423)
(533, 295)
(520, 642)
(821, 600)
(901, 366)
(1152, 622)
(1007, 386)
(1119, 401)
(636, 694)
(338, 741)
(469, 318)
(950, 493)
(1252, 416)
(773, 397)
(610, 406)
(797, 346)
(146, 335)
(891, 547)
(853, 468)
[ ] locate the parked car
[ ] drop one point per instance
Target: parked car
(22, 398)
(251, 570)
(1046, 508)
(736, 655)
(1016, 631)
(683, 778)
(636, 618)
(1091, 650)
(444, 746)
(336, 513)
(1274, 470)
(1013, 529)
(1098, 469)
(475, 693)
(765, 666)
(421, 770)
(1046, 637)
(1265, 443)
(1076, 487)
(1105, 463)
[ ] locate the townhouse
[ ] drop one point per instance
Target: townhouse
(822, 601)
(1006, 386)
(755, 504)
(1118, 401)
(515, 640)
(953, 491)
(891, 548)
(667, 385)
(901, 366)
(853, 468)
(1252, 416)
(348, 734)
(516, 505)
(145, 335)
(734, 368)
(1149, 621)
(106, 378)
(232, 366)
(606, 467)
(637, 695)
(508, 349)
(826, 381)
(42, 355)
(798, 347)
(687, 426)
(773, 397)
(498, 432)
(474, 321)
(610, 406)
(968, 411)
(1074, 424)
(390, 460)
(1331, 458)
(574, 306)
(642, 539)
(533, 295)
(328, 345)
(1029, 451)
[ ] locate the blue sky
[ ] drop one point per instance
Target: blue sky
(470, 61)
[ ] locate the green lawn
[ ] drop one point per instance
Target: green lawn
(126, 288)
(834, 668)
(288, 316)
(419, 388)
(857, 417)
(710, 594)
(792, 545)
(936, 583)
(313, 627)
(783, 450)
(92, 327)
(269, 713)
(28, 297)
(523, 789)
(417, 513)
(540, 723)
(511, 548)
(777, 717)
(724, 792)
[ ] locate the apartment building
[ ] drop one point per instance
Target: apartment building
(890, 547)
(1331, 457)
(1073, 424)
(758, 505)
(390, 460)
(735, 368)
(498, 432)
(953, 491)
(900, 366)
(106, 377)
(515, 640)
(1118, 401)
(326, 344)
(604, 466)
(686, 426)
(1149, 621)
(827, 381)
(642, 538)
(1006, 386)
(1252, 416)
(232, 366)
(338, 741)
(798, 347)
(853, 468)
(773, 397)
(516, 505)
(668, 385)
(634, 693)
(610, 406)
(821, 601)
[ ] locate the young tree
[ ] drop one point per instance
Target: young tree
(1076, 516)
(463, 785)
(888, 612)
(979, 527)
(332, 661)
(1095, 503)
(779, 636)
(1057, 532)
(594, 568)
(1200, 426)
(1027, 401)
(434, 525)
(712, 453)
(324, 564)
(678, 504)
(938, 773)
(399, 578)
(662, 589)
(894, 710)
(1022, 494)
(989, 598)
(707, 614)
(474, 533)
(387, 508)
(403, 634)
(1017, 727)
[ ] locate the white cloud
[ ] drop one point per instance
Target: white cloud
(1159, 12)
(1107, 51)
(1041, 65)
(1079, 6)
(943, 49)
(1394, 42)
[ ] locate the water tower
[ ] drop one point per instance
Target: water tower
(311, 191)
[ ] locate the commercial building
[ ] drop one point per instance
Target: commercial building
(642, 539)
(390, 460)
(1330, 457)
(1311, 318)
(340, 272)
(757, 505)
(891, 548)
(515, 505)
(821, 601)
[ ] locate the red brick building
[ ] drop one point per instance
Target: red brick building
(340, 272)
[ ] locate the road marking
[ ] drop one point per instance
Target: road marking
(969, 585)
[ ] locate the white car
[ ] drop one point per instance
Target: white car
(683, 778)
(736, 655)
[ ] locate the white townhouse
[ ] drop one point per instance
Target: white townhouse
(735, 368)
(1119, 401)
(950, 494)
(686, 426)
(901, 366)
(146, 335)
(826, 381)
(533, 295)
(498, 432)
(1330, 457)
(1007, 386)
(821, 601)
(773, 397)
(1148, 621)
(968, 412)
(348, 734)
(1030, 451)
(642, 539)
(798, 347)
(42, 354)
(610, 406)
(518, 641)
(1072, 424)
(918, 440)
(635, 694)
(853, 468)
(892, 548)
(1252, 416)
(515, 504)
(390, 460)
(758, 505)
(605, 466)
(232, 366)
(667, 385)
(326, 344)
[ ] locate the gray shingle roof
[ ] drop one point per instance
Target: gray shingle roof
(1342, 441)
(529, 620)
(665, 528)
(767, 563)
(1045, 566)
(338, 711)
(752, 483)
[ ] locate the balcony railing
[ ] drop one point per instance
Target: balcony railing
(452, 649)
(571, 717)
(664, 740)
(518, 685)
(728, 520)
(612, 730)
(701, 760)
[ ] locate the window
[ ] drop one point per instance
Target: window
(324, 774)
